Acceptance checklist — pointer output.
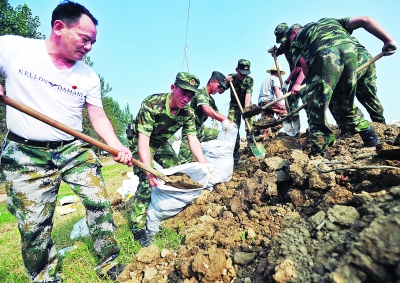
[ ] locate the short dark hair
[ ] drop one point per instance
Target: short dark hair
(70, 12)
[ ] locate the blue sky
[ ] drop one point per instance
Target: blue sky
(140, 44)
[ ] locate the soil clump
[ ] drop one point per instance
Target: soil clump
(290, 218)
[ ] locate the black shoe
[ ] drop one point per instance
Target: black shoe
(317, 151)
(144, 238)
(112, 273)
(369, 137)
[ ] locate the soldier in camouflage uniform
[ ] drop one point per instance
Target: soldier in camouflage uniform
(366, 81)
(204, 106)
(295, 72)
(36, 157)
(243, 85)
(161, 116)
(328, 57)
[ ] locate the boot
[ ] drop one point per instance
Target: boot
(144, 238)
(315, 151)
(369, 137)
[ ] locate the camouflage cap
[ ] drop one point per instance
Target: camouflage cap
(244, 66)
(280, 32)
(291, 29)
(220, 78)
(187, 81)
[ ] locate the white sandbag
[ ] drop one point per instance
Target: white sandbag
(219, 153)
(129, 186)
(167, 201)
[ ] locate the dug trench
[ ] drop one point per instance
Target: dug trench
(289, 218)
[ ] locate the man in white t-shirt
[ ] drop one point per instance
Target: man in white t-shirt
(49, 76)
(269, 91)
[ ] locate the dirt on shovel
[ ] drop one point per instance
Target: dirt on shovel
(251, 110)
(183, 181)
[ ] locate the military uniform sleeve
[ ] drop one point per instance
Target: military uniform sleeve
(201, 98)
(249, 85)
(189, 127)
(344, 22)
(296, 53)
(145, 119)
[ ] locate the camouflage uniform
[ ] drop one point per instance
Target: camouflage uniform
(366, 81)
(33, 176)
(203, 133)
(293, 100)
(235, 115)
(154, 119)
(331, 57)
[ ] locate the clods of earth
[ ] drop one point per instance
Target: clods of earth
(289, 218)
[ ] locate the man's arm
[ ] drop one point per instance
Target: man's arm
(196, 148)
(373, 27)
(145, 156)
(210, 112)
(104, 129)
(302, 75)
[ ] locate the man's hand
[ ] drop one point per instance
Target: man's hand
(295, 89)
(228, 79)
(390, 47)
(209, 167)
(285, 86)
(2, 90)
(124, 156)
(152, 179)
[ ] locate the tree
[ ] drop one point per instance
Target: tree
(18, 21)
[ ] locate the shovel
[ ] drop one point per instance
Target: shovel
(45, 119)
(289, 115)
(257, 148)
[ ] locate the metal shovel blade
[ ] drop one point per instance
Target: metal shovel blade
(258, 150)
(292, 128)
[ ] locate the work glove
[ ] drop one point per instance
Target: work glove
(390, 47)
(226, 125)
(285, 87)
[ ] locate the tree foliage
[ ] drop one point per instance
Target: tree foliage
(20, 21)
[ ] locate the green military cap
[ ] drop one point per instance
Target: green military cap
(244, 66)
(280, 32)
(291, 29)
(187, 81)
(220, 78)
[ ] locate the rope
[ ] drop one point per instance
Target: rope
(354, 168)
(185, 49)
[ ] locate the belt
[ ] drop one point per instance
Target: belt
(48, 144)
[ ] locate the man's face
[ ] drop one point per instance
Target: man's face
(215, 87)
(77, 40)
(240, 75)
(180, 97)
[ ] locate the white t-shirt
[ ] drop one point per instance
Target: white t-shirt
(33, 79)
(267, 90)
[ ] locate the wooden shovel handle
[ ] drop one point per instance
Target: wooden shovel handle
(45, 119)
(280, 98)
(370, 61)
(240, 106)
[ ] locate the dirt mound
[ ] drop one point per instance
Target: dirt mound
(290, 218)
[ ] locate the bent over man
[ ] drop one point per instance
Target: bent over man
(161, 116)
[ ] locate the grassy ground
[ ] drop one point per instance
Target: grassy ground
(77, 265)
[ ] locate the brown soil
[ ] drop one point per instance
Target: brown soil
(251, 111)
(290, 218)
(183, 181)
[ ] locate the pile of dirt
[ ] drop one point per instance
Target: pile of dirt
(289, 218)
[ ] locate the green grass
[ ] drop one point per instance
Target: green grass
(78, 265)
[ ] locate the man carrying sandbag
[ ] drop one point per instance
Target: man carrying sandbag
(161, 116)
(204, 106)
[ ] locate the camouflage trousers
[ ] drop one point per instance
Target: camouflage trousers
(33, 176)
(204, 134)
(366, 89)
(166, 157)
(331, 82)
(235, 115)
